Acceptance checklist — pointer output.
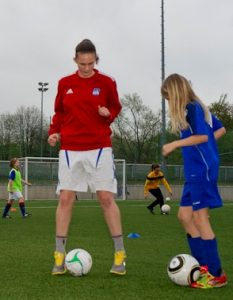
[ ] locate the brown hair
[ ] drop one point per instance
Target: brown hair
(86, 46)
(154, 166)
(13, 161)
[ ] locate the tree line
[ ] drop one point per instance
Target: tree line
(136, 133)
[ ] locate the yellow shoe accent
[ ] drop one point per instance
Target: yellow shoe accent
(59, 265)
(118, 267)
(119, 257)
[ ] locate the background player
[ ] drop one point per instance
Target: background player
(153, 180)
(15, 189)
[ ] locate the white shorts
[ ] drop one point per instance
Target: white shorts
(15, 196)
(79, 170)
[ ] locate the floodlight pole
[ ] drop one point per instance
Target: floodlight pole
(42, 88)
(163, 125)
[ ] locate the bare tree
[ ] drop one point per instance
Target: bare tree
(6, 135)
(20, 133)
(27, 121)
(136, 130)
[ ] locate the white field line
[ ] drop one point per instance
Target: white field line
(98, 206)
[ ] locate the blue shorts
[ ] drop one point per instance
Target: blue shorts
(201, 195)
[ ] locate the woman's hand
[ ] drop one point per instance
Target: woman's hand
(103, 111)
(53, 139)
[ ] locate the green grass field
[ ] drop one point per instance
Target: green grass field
(27, 245)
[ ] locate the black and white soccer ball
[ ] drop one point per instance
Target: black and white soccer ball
(183, 269)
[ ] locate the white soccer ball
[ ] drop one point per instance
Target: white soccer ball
(168, 199)
(166, 208)
(183, 269)
(78, 262)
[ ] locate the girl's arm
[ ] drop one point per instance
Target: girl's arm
(189, 141)
(10, 186)
(219, 133)
(25, 182)
(218, 127)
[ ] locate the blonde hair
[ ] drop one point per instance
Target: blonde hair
(178, 91)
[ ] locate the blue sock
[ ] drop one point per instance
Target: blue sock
(6, 209)
(212, 257)
(22, 208)
(196, 247)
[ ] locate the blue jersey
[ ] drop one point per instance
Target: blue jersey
(201, 162)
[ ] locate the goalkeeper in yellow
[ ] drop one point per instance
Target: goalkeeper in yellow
(153, 180)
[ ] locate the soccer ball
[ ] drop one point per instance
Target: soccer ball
(183, 269)
(168, 199)
(78, 262)
(165, 208)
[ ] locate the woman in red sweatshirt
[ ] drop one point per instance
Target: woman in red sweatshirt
(86, 104)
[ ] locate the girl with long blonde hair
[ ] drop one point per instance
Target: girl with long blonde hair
(199, 130)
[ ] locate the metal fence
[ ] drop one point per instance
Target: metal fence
(135, 173)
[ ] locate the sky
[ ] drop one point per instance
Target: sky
(38, 38)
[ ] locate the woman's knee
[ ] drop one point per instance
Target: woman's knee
(66, 200)
(106, 200)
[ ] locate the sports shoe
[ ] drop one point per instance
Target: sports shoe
(203, 270)
(119, 264)
(26, 215)
(208, 281)
(7, 217)
(59, 265)
(151, 210)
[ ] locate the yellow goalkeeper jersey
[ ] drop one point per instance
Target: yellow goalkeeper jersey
(153, 181)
